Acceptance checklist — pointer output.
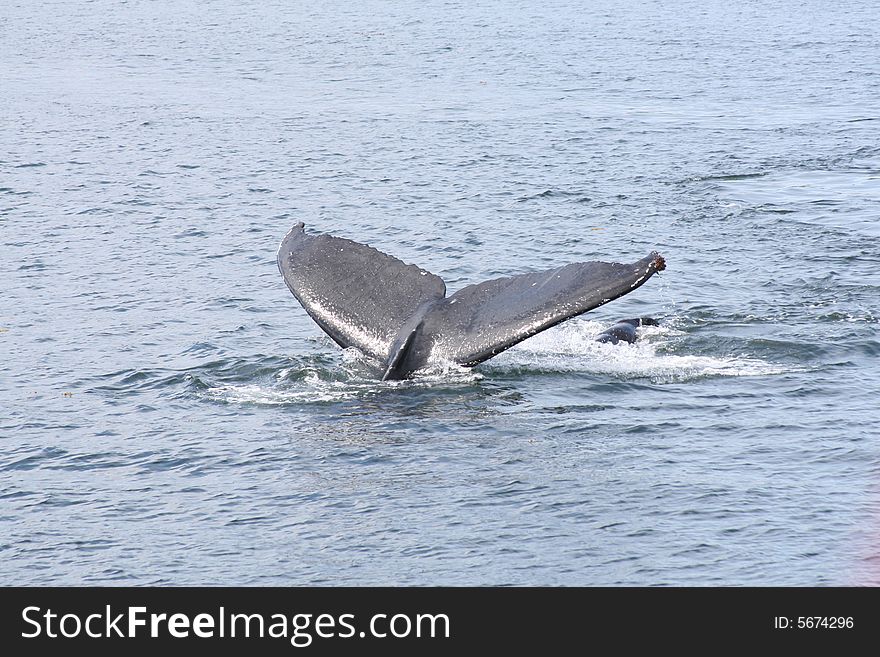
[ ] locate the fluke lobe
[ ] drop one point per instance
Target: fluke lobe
(400, 314)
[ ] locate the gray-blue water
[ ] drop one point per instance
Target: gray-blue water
(170, 415)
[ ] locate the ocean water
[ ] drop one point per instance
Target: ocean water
(170, 415)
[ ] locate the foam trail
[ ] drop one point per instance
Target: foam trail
(573, 347)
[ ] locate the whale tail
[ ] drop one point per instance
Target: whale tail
(400, 314)
(361, 297)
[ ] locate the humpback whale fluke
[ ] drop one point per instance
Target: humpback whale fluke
(400, 315)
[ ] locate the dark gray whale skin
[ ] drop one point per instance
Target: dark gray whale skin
(625, 330)
(400, 315)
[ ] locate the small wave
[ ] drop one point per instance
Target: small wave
(727, 177)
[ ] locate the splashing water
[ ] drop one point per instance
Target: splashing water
(573, 347)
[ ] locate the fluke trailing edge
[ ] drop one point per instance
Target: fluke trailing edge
(400, 314)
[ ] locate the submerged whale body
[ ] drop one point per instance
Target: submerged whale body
(400, 315)
(625, 330)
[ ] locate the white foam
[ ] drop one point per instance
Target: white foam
(570, 347)
(573, 347)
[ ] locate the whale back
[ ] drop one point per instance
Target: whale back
(358, 295)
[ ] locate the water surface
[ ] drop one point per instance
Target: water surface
(170, 415)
